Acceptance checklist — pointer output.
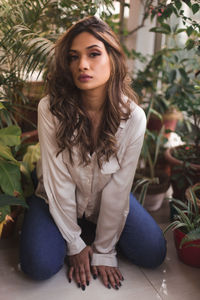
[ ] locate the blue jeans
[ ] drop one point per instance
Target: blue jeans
(43, 249)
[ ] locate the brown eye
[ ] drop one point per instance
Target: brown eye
(94, 54)
(72, 57)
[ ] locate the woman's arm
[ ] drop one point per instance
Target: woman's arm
(115, 196)
(59, 186)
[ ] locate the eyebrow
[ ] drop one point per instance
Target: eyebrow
(89, 47)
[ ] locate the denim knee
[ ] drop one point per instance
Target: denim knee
(150, 257)
(142, 241)
(38, 268)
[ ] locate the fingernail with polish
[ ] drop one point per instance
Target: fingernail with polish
(120, 284)
(116, 287)
(70, 280)
(79, 285)
(83, 287)
(109, 286)
(87, 282)
(122, 278)
(94, 276)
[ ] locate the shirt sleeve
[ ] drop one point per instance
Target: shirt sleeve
(115, 196)
(58, 184)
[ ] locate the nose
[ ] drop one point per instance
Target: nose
(83, 63)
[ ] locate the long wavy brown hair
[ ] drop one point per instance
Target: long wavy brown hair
(75, 128)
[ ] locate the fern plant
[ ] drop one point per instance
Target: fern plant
(187, 218)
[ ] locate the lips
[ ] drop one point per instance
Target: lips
(84, 77)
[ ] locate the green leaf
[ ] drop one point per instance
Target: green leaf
(156, 113)
(2, 106)
(32, 156)
(189, 30)
(171, 91)
(10, 178)
(190, 44)
(195, 8)
(5, 152)
(158, 144)
(166, 26)
(159, 30)
(191, 236)
(188, 2)
(178, 4)
(180, 30)
(183, 74)
(10, 136)
(11, 200)
(4, 211)
(143, 193)
(172, 76)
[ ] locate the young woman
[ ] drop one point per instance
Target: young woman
(91, 132)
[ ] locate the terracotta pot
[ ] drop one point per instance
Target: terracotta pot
(170, 119)
(188, 254)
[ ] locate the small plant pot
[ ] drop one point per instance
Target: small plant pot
(156, 193)
(189, 254)
(154, 202)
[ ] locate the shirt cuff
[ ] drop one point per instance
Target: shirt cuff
(104, 260)
(75, 246)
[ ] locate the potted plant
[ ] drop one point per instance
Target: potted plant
(150, 84)
(186, 229)
(185, 159)
(16, 165)
(151, 183)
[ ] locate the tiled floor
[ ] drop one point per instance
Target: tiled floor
(173, 280)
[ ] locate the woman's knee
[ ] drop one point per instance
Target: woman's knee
(40, 267)
(150, 255)
(155, 254)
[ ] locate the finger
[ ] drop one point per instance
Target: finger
(94, 272)
(116, 277)
(70, 273)
(82, 277)
(104, 277)
(119, 274)
(111, 278)
(87, 272)
(77, 277)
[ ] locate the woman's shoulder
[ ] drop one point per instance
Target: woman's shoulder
(135, 125)
(137, 113)
(44, 104)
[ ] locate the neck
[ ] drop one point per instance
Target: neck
(93, 101)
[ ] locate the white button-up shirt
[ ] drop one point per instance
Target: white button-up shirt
(102, 194)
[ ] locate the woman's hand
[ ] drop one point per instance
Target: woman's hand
(110, 276)
(79, 266)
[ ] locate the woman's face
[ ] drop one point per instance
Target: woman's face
(89, 62)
